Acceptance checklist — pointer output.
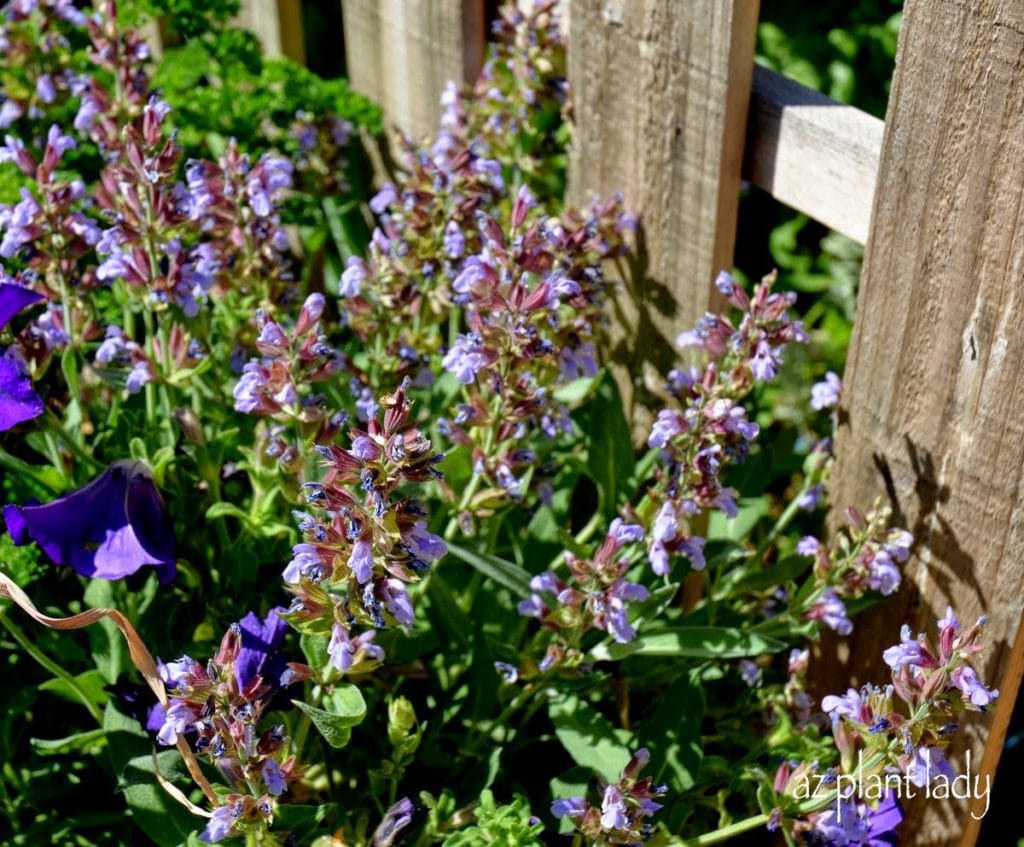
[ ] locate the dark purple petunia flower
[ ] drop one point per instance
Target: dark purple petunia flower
(854, 824)
(261, 643)
(109, 529)
(18, 402)
(14, 298)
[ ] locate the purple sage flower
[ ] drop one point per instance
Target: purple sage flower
(361, 561)
(353, 277)
(220, 824)
(808, 546)
(465, 358)
(397, 818)
(825, 394)
(765, 362)
(273, 778)
(832, 611)
(109, 529)
(973, 689)
(380, 201)
(571, 807)
(926, 764)
(907, 652)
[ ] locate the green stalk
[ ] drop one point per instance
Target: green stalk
(166, 365)
(785, 519)
(723, 834)
(32, 471)
(72, 445)
(50, 665)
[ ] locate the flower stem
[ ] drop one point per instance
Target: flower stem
(70, 442)
(723, 834)
(784, 519)
(51, 666)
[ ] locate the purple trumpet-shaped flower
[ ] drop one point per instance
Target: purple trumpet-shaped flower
(261, 643)
(273, 778)
(14, 298)
(109, 529)
(572, 807)
(853, 824)
(613, 809)
(18, 401)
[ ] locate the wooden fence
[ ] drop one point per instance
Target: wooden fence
(671, 109)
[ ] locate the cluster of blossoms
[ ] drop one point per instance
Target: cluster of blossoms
(30, 33)
(118, 352)
(144, 248)
(522, 91)
(625, 807)
(456, 240)
(705, 428)
(234, 203)
(531, 300)
(865, 557)
(275, 384)
(426, 229)
(321, 157)
(365, 541)
(433, 223)
(47, 233)
(898, 731)
(48, 220)
(595, 595)
(104, 110)
(218, 708)
(170, 242)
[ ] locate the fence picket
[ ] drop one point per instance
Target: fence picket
(934, 382)
(402, 54)
(278, 26)
(660, 97)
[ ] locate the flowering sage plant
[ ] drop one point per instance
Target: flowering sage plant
(369, 549)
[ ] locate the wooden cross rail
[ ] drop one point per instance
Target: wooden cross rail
(934, 384)
(812, 153)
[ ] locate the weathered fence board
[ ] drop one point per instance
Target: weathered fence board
(278, 26)
(812, 153)
(660, 94)
(402, 53)
(934, 381)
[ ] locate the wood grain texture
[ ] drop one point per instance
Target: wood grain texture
(934, 382)
(402, 53)
(812, 153)
(278, 26)
(660, 96)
